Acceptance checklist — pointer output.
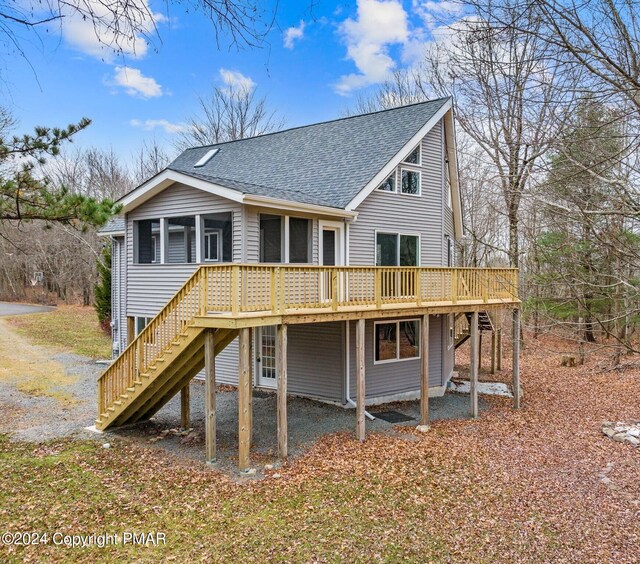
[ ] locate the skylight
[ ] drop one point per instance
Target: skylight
(204, 160)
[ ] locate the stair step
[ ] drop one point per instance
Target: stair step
(111, 409)
(124, 396)
(132, 390)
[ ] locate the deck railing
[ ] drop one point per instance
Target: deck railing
(242, 289)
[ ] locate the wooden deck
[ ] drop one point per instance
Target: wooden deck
(233, 298)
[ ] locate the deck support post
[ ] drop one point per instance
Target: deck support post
(494, 345)
(479, 351)
(185, 407)
(360, 394)
(244, 398)
(516, 358)
(210, 394)
(424, 371)
(473, 365)
(281, 372)
(131, 329)
(499, 350)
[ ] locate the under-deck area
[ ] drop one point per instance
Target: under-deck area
(221, 303)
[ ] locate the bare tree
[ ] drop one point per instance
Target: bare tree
(149, 161)
(230, 113)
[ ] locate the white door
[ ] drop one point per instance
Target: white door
(266, 357)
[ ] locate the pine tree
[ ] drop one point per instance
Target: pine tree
(102, 291)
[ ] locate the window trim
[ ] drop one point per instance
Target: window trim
(398, 233)
(218, 233)
(397, 322)
(419, 147)
(419, 173)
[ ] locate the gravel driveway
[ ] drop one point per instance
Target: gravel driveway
(9, 308)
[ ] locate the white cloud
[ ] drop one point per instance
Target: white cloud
(379, 25)
(436, 13)
(292, 34)
(235, 80)
(152, 124)
(96, 36)
(135, 83)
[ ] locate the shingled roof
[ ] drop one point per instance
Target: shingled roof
(325, 164)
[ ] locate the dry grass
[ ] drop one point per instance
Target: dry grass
(67, 328)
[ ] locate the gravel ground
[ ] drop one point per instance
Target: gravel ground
(307, 421)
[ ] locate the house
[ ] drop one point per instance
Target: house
(319, 260)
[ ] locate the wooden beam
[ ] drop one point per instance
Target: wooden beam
(185, 410)
(131, 329)
(210, 394)
(499, 351)
(473, 365)
(493, 351)
(244, 398)
(479, 351)
(424, 371)
(516, 358)
(281, 372)
(360, 395)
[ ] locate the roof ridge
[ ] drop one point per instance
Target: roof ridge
(344, 118)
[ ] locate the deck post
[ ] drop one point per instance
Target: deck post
(494, 345)
(499, 350)
(131, 329)
(479, 351)
(185, 401)
(360, 394)
(244, 399)
(516, 358)
(424, 371)
(281, 371)
(473, 365)
(210, 395)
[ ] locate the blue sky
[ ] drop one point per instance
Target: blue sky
(313, 65)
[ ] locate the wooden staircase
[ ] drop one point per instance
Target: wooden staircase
(462, 331)
(159, 362)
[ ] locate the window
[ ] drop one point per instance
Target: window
(181, 232)
(270, 238)
(218, 226)
(410, 182)
(414, 156)
(394, 249)
(146, 237)
(275, 230)
(141, 323)
(299, 240)
(212, 245)
(397, 340)
(389, 185)
(450, 253)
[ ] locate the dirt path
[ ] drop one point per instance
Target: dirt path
(43, 394)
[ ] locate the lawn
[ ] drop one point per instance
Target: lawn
(510, 486)
(67, 328)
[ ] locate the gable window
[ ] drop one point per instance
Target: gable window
(396, 249)
(413, 157)
(396, 340)
(410, 181)
(389, 185)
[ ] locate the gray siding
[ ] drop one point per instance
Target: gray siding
(316, 360)
(118, 295)
(395, 377)
(405, 213)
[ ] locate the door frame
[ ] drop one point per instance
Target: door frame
(341, 251)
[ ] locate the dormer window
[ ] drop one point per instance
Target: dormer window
(410, 182)
(389, 185)
(413, 157)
